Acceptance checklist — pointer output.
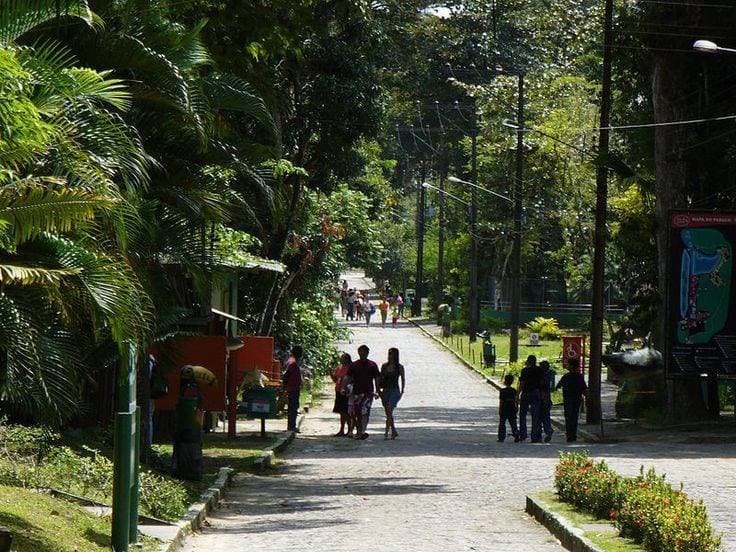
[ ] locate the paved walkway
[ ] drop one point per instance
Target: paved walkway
(444, 484)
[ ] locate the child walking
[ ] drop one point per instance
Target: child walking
(573, 389)
(507, 409)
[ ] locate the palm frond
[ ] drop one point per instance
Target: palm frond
(17, 17)
(230, 93)
(28, 208)
(30, 275)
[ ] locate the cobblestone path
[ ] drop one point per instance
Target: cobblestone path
(443, 484)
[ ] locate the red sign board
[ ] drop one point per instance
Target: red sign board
(207, 351)
(573, 346)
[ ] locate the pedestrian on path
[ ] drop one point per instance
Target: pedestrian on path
(394, 317)
(529, 399)
(545, 402)
(573, 390)
(368, 309)
(363, 373)
(383, 307)
(292, 383)
(400, 304)
(507, 408)
(352, 297)
(391, 372)
(341, 393)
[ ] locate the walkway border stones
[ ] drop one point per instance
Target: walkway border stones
(570, 537)
(559, 424)
(194, 518)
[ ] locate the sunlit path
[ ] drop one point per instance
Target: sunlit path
(444, 484)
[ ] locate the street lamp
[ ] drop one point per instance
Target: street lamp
(708, 47)
(445, 192)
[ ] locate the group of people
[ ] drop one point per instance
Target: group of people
(534, 397)
(358, 383)
(355, 305)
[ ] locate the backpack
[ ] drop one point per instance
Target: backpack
(373, 308)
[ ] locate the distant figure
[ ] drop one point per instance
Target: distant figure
(363, 373)
(545, 400)
(400, 304)
(292, 383)
(341, 393)
(394, 316)
(408, 303)
(573, 389)
(529, 399)
(359, 306)
(507, 408)
(368, 309)
(383, 306)
(345, 285)
(344, 303)
(352, 297)
(391, 372)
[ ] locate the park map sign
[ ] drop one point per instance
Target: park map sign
(701, 318)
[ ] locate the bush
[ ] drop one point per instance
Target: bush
(547, 328)
(459, 326)
(492, 323)
(645, 508)
(33, 458)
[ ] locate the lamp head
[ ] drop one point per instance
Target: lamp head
(425, 185)
(705, 46)
(454, 179)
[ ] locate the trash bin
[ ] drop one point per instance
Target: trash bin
(260, 402)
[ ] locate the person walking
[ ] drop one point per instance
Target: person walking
(507, 408)
(545, 400)
(400, 304)
(383, 306)
(352, 296)
(573, 390)
(368, 309)
(363, 373)
(341, 393)
(391, 372)
(292, 384)
(359, 306)
(529, 399)
(187, 453)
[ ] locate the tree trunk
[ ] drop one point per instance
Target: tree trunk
(673, 76)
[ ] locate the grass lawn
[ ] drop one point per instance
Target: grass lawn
(218, 451)
(605, 540)
(41, 523)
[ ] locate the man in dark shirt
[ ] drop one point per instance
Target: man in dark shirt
(292, 383)
(530, 398)
(363, 373)
(573, 388)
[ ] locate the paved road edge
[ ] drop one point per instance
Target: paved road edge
(570, 537)
(559, 424)
(194, 518)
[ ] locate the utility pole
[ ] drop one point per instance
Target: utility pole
(439, 294)
(473, 306)
(126, 454)
(416, 305)
(516, 251)
(593, 413)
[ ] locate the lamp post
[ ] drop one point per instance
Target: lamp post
(708, 47)
(416, 305)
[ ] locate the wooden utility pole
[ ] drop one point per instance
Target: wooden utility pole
(439, 293)
(473, 302)
(416, 305)
(593, 413)
(516, 250)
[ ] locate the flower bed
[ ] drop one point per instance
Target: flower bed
(644, 508)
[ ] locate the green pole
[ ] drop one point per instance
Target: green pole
(136, 477)
(124, 450)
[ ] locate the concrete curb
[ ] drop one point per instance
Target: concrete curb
(266, 458)
(570, 537)
(193, 519)
(195, 516)
(556, 422)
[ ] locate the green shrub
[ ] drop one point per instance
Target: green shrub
(645, 508)
(492, 323)
(459, 326)
(547, 328)
(514, 368)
